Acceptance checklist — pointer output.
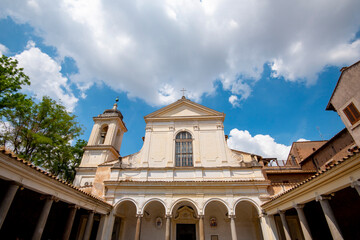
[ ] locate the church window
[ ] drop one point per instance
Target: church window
(352, 113)
(103, 133)
(183, 150)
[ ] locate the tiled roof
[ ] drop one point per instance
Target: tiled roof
(279, 170)
(12, 155)
(199, 181)
(354, 151)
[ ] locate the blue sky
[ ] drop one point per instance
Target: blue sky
(269, 66)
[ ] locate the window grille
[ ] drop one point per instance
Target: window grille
(183, 150)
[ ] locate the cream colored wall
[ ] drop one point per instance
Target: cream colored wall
(346, 92)
(209, 145)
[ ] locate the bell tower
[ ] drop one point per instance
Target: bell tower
(103, 146)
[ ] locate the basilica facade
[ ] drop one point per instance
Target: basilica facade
(184, 183)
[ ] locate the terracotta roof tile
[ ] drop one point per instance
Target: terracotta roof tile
(12, 155)
(353, 151)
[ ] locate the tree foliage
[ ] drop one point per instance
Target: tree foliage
(41, 133)
(38, 132)
(11, 80)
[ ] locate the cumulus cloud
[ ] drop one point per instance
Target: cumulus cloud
(3, 49)
(234, 100)
(263, 145)
(46, 78)
(152, 49)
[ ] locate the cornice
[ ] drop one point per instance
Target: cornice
(102, 147)
(249, 183)
(110, 118)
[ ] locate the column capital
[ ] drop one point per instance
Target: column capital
(232, 216)
(139, 215)
(168, 216)
(322, 197)
(201, 216)
(49, 197)
(15, 183)
(298, 206)
(73, 206)
(262, 214)
(354, 183)
(281, 211)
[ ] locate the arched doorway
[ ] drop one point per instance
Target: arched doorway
(247, 221)
(216, 221)
(125, 221)
(153, 223)
(185, 222)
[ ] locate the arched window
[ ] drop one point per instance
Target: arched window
(183, 150)
(103, 133)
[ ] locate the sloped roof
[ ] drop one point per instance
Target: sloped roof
(353, 152)
(343, 70)
(29, 165)
(184, 109)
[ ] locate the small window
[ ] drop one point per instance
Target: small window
(183, 150)
(352, 113)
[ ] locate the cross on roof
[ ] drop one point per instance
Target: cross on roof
(183, 90)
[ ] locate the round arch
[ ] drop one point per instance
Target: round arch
(118, 203)
(185, 200)
(249, 200)
(150, 201)
(184, 130)
(216, 200)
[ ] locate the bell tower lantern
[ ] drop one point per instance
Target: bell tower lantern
(105, 139)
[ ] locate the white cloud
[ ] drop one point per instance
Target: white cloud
(302, 140)
(146, 48)
(263, 145)
(3, 49)
(45, 76)
(234, 100)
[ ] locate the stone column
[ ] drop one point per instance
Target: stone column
(108, 226)
(69, 222)
(272, 225)
(6, 203)
(285, 225)
(329, 216)
(264, 226)
(42, 219)
(233, 227)
(89, 224)
(356, 185)
(303, 222)
(101, 227)
(168, 225)
(138, 226)
(201, 227)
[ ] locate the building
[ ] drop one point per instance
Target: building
(185, 183)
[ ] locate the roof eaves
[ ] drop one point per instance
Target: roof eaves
(354, 152)
(12, 155)
(329, 106)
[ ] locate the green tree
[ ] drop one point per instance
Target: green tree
(11, 80)
(41, 133)
(38, 132)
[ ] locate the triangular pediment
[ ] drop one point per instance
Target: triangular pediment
(184, 108)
